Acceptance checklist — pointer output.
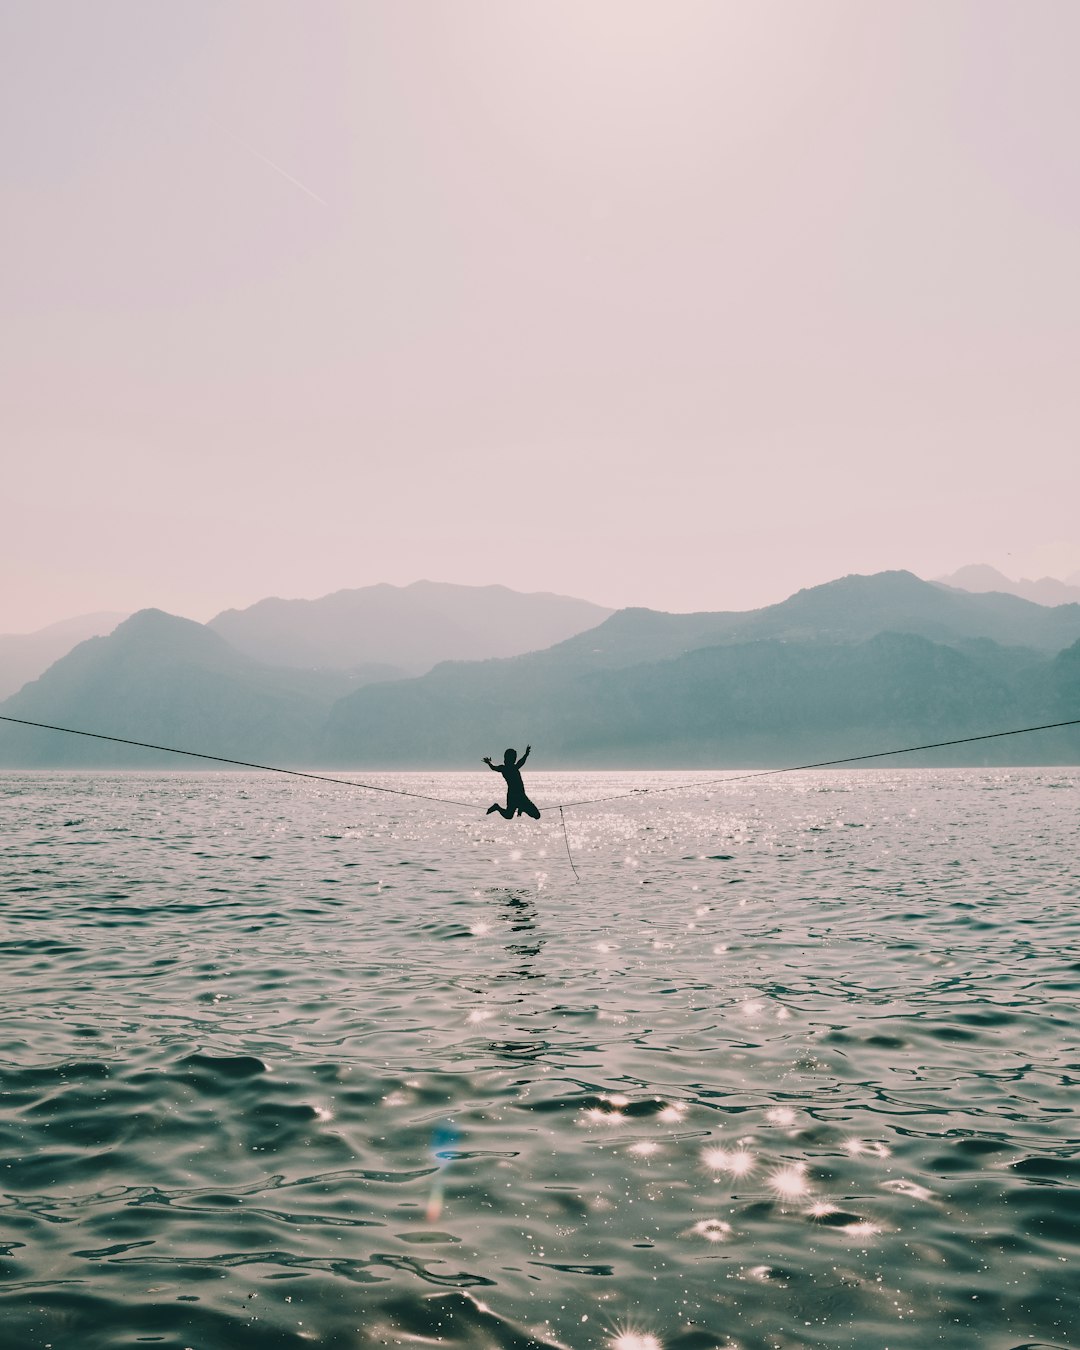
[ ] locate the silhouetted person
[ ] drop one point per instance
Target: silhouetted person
(516, 801)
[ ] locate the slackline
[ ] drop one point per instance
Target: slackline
(561, 806)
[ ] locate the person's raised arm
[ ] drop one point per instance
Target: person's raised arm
(487, 761)
(524, 757)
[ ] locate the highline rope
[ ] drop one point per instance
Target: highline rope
(561, 806)
(239, 763)
(821, 764)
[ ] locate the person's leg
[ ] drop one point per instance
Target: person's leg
(503, 811)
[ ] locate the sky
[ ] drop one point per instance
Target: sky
(683, 304)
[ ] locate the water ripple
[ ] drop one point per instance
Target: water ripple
(795, 1066)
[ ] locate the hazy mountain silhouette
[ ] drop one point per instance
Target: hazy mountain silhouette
(768, 702)
(1056, 684)
(165, 679)
(825, 669)
(408, 627)
(23, 656)
(856, 665)
(856, 607)
(980, 578)
(849, 609)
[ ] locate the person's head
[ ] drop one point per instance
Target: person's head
(509, 756)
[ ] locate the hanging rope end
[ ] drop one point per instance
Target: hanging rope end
(566, 841)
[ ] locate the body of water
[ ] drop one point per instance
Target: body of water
(795, 1064)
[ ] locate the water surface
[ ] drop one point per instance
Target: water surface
(795, 1065)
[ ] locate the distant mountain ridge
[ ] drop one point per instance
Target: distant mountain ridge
(174, 682)
(633, 690)
(23, 656)
(855, 666)
(980, 578)
(761, 703)
(405, 629)
(848, 609)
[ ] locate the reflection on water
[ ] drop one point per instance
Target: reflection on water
(518, 913)
(794, 1066)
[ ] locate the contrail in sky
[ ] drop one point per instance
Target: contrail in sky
(284, 173)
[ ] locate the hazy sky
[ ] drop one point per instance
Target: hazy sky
(685, 303)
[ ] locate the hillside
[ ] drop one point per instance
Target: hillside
(863, 660)
(408, 628)
(979, 578)
(850, 609)
(859, 664)
(165, 679)
(856, 607)
(24, 656)
(767, 702)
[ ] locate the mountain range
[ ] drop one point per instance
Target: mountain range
(172, 681)
(858, 662)
(403, 630)
(1045, 591)
(387, 632)
(23, 656)
(854, 666)
(372, 632)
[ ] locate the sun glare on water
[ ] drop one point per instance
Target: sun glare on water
(790, 1182)
(635, 1340)
(736, 1161)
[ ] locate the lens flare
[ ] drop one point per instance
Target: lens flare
(434, 1209)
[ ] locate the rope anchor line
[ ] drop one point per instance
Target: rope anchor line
(566, 841)
(239, 763)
